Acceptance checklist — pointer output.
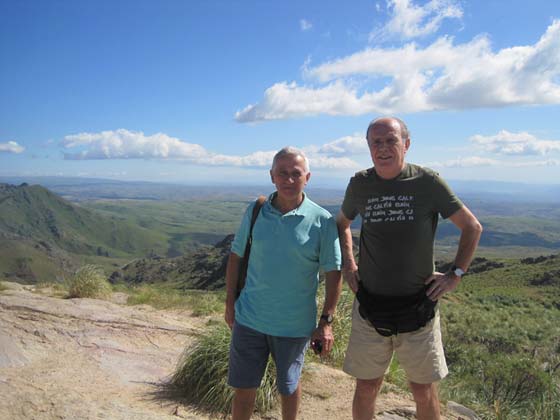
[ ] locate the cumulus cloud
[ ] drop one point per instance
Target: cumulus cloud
(11, 147)
(508, 143)
(305, 25)
(409, 20)
(441, 76)
(125, 144)
(346, 146)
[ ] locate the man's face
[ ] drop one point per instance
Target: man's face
(290, 176)
(387, 148)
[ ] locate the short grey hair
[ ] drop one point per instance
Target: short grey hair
(405, 134)
(290, 151)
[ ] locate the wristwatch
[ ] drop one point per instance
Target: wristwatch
(328, 318)
(458, 271)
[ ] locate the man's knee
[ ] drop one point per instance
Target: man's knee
(424, 393)
(368, 388)
(245, 395)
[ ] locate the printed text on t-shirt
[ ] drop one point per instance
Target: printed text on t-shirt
(389, 208)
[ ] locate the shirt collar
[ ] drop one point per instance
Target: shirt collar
(297, 211)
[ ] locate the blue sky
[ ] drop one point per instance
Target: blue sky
(206, 91)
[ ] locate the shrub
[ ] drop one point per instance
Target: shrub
(201, 375)
(88, 282)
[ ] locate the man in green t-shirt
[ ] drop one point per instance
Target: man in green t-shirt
(395, 281)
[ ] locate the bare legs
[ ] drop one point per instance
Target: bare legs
(244, 404)
(290, 404)
(363, 406)
(427, 401)
(425, 396)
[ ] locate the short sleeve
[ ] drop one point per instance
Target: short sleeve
(446, 202)
(349, 208)
(330, 258)
(240, 240)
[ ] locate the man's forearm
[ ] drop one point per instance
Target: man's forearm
(467, 246)
(232, 277)
(333, 287)
(345, 238)
(471, 229)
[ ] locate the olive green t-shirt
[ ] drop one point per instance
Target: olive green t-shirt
(399, 221)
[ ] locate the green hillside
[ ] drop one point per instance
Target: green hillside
(33, 212)
(43, 236)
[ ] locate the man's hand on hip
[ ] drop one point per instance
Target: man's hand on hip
(440, 284)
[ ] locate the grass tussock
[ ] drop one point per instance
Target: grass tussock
(201, 375)
(89, 282)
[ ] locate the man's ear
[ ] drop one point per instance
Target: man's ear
(271, 176)
(307, 177)
(406, 145)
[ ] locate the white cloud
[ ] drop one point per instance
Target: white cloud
(11, 147)
(346, 146)
(410, 79)
(409, 20)
(508, 143)
(125, 144)
(305, 25)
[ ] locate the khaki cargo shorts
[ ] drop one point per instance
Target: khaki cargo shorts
(420, 352)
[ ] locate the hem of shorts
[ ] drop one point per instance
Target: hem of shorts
(242, 386)
(431, 380)
(364, 377)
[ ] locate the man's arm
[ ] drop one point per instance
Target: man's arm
(471, 229)
(323, 332)
(232, 278)
(349, 267)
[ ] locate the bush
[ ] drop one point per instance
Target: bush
(89, 282)
(202, 372)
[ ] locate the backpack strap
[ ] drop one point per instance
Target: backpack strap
(244, 263)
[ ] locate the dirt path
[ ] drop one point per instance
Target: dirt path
(94, 359)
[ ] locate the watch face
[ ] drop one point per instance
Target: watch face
(459, 272)
(329, 318)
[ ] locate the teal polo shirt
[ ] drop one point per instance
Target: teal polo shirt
(288, 250)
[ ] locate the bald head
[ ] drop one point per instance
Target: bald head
(405, 134)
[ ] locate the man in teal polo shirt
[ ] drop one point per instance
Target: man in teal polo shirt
(293, 238)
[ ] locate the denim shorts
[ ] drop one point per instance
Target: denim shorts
(248, 355)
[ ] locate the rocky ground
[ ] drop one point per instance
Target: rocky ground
(95, 359)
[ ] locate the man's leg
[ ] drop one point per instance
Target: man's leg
(421, 355)
(290, 404)
(288, 354)
(427, 401)
(363, 406)
(248, 355)
(243, 403)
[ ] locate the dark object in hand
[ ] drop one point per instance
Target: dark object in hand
(317, 346)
